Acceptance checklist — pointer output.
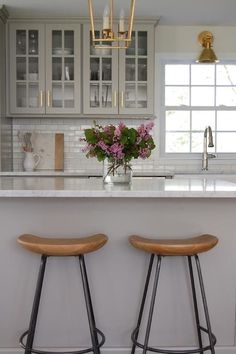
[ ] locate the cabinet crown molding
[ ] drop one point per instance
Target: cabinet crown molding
(79, 20)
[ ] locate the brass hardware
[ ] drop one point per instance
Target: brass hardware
(122, 99)
(122, 39)
(41, 98)
(208, 55)
(49, 98)
(115, 99)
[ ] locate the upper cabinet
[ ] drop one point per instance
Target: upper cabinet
(119, 81)
(44, 69)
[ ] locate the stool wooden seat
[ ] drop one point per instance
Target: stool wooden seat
(172, 247)
(160, 249)
(62, 246)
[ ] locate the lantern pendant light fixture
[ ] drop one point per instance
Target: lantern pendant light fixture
(207, 55)
(109, 38)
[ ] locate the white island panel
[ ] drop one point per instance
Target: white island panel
(116, 272)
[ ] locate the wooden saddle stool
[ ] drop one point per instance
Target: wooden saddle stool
(65, 247)
(190, 248)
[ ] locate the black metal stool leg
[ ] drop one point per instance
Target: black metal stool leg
(158, 267)
(34, 313)
(195, 302)
(205, 304)
(142, 303)
(89, 307)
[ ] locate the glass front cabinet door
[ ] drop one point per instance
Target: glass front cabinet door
(100, 76)
(44, 69)
(26, 69)
(120, 80)
(136, 66)
(63, 69)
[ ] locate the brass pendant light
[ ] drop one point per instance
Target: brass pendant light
(109, 38)
(208, 55)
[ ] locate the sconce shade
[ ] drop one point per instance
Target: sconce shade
(207, 55)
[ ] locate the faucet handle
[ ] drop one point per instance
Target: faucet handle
(211, 156)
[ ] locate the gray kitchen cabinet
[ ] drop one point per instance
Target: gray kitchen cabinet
(44, 71)
(119, 81)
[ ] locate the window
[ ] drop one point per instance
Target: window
(195, 96)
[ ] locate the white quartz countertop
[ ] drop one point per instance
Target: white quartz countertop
(186, 186)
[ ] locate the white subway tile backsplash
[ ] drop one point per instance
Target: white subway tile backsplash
(73, 130)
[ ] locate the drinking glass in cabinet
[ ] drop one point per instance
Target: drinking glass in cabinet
(69, 69)
(33, 42)
(94, 95)
(106, 69)
(94, 69)
(20, 42)
(106, 95)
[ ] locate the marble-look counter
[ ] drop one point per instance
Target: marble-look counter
(142, 187)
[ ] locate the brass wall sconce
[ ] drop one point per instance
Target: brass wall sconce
(208, 55)
(109, 38)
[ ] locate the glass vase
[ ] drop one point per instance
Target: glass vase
(120, 174)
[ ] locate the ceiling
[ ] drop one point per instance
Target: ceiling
(171, 12)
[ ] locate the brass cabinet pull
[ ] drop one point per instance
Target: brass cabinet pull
(122, 99)
(49, 98)
(115, 99)
(41, 98)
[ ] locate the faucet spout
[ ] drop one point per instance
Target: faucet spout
(205, 155)
(210, 136)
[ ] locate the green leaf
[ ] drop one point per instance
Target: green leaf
(132, 135)
(90, 136)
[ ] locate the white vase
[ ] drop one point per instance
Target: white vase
(31, 161)
(121, 174)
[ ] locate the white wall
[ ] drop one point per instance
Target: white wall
(183, 39)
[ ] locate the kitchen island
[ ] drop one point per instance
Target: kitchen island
(155, 207)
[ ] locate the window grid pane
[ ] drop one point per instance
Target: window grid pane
(197, 96)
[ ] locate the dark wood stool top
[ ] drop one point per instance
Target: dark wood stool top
(175, 247)
(62, 246)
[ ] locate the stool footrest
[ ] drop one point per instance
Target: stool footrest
(83, 351)
(169, 351)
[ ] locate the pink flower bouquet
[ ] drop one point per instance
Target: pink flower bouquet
(118, 144)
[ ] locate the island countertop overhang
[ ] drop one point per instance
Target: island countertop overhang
(141, 187)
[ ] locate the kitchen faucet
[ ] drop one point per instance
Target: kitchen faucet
(205, 154)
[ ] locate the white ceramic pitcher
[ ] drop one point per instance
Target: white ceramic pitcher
(31, 161)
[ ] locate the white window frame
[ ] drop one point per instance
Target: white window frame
(162, 60)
